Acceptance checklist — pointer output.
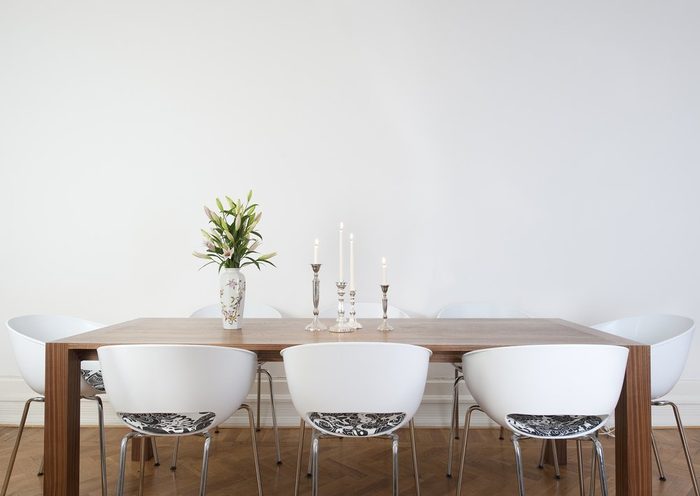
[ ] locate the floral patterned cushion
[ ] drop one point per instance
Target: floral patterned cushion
(356, 424)
(169, 423)
(94, 379)
(553, 425)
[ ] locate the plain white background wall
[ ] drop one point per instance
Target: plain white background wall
(543, 154)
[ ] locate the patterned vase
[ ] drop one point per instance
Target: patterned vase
(232, 293)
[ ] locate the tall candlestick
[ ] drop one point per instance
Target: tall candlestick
(352, 262)
(316, 251)
(340, 253)
(384, 271)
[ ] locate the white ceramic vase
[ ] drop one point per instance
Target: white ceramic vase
(232, 294)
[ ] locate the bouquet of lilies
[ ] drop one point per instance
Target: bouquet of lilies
(232, 240)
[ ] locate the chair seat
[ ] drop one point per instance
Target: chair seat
(169, 423)
(94, 379)
(356, 424)
(553, 425)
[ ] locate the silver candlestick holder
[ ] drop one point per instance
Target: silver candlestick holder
(352, 321)
(384, 326)
(341, 323)
(316, 325)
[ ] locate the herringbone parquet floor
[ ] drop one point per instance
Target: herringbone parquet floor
(357, 467)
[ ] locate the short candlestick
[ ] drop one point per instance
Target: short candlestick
(352, 321)
(341, 323)
(384, 326)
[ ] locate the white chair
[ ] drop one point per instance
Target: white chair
(252, 311)
(365, 310)
(201, 387)
(514, 386)
(475, 310)
(670, 337)
(28, 337)
(356, 389)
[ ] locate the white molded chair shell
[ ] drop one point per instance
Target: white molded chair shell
(669, 336)
(28, 337)
(252, 311)
(480, 310)
(356, 378)
(546, 380)
(365, 310)
(177, 378)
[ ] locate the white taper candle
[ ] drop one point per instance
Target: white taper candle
(352, 262)
(384, 271)
(316, 251)
(340, 252)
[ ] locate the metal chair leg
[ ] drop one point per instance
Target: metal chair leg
(555, 458)
(142, 464)
(300, 450)
(601, 465)
(500, 434)
(454, 423)
(309, 469)
(416, 474)
(154, 447)
(518, 464)
(684, 442)
(11, 464)
(594, 461)
(41, 467)
(205, 464)
(254, 443)
(543, 450)
(122, 463)
(465, 438)
(274, 416)
(257, 419)
(173, 464)
(314, 465)
(579, 459)
(103, 456)
(395, 464)
(662, 476)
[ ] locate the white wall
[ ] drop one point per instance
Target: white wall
(544, 154)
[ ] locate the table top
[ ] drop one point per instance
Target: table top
(447, 338)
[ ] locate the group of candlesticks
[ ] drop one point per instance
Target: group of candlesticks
(343, 323)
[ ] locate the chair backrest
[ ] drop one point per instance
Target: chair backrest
(365, 310)
(670, 337)
(29, 335)
(480, 310)
(252, 311)
(546, 379)
(356, 377)
(177, 378)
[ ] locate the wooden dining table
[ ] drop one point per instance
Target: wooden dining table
(447, 338)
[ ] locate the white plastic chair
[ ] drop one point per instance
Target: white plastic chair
(476, 310)
(365, 310)
(514, 386)
(356, 389)
(202, 386)
(252, 311)
(28, 337)
(670, 337)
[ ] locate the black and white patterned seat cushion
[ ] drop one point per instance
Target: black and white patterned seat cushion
(553, 425)
(169, 423)
(356, 424)
(94, 379)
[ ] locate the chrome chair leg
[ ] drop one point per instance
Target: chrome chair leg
(662, 476)
(579, 460)
(454, 422)
(684, 442)
(601, 465)
(257, 406)
(395, 464)
(173, 464)
(300, 450)
(103, 456)
(465, 438)
(416, 474)
(154, 447)
(122, 462)
(594, 461)
(309, 469)
(41, 466)
(555, 458)
(543, 451)
(254, 443)
(500, 434)
(205, 464)
(20, 430)
(142, 464)
(274, 416)
(518, 464)
(314, 464)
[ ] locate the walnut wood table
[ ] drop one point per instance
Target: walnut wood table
(447, 338)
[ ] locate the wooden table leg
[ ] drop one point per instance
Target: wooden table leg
(62, 421)
(633, 427)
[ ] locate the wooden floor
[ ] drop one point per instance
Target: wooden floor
(347, 466)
